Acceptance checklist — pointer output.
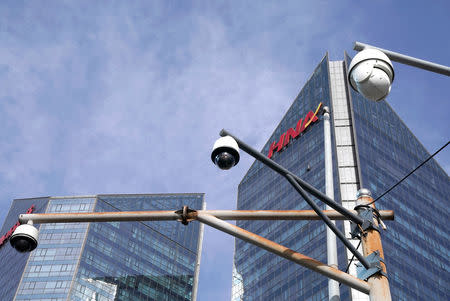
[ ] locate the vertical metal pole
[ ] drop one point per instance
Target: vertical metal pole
(371, 242)
(199, 257)
(333, 286)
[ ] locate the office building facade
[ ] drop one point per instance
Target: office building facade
(372, 148)
(108, 260)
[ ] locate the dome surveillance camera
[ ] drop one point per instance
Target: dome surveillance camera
(225, 153)
(371, 74)
(24, 238)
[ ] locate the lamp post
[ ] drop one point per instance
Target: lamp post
(371, 243)
(364, 221)
(371, 74)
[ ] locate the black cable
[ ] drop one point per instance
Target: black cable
(420, 165)
(353, 257)
(351, 260)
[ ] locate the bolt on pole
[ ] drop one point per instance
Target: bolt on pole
(371, 242)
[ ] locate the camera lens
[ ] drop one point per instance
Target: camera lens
(23, 244)
(225, 160)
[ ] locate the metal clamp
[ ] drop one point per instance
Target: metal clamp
(184, 215)
(375, 261)
(367, 213)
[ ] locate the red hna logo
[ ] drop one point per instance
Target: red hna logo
(302, 125)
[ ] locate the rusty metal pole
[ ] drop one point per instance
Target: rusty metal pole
(371, 242)
(285, 252)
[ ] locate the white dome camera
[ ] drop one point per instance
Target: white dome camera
(371, 74)
(24, 238)
(225, 153)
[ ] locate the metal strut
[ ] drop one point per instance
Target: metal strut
(283, 171)
(367, 213)
(328, 222)
(375, 267)
(301, 186)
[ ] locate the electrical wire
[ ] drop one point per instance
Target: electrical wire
(387, 191)
(351, 260)
(420, 165)
(145, 225)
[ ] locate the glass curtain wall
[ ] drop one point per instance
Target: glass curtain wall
(50, 268)
(259, 275)
(104, 261)
(139, 260)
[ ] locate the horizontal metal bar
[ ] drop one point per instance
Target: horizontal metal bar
(283, 171)
(284, 214)
(118, 216)
(285, 252)
(407, 60)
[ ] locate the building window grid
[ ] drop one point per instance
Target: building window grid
(182, 268)
(258, 180)
(51, 266)
(159, 255)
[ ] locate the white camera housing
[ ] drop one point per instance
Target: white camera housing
(371, 74)
(24, 238)
(225, 153)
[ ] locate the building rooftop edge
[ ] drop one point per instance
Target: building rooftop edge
(110, 194)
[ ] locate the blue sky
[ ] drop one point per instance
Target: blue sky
(129, 96)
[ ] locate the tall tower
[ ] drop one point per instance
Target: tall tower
(372, 148)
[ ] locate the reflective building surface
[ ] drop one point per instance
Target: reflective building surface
(104, 261)
(372, 148)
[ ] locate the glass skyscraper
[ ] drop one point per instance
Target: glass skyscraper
(108, 260)
(372, 148)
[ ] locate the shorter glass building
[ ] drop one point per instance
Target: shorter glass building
(104, 261)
